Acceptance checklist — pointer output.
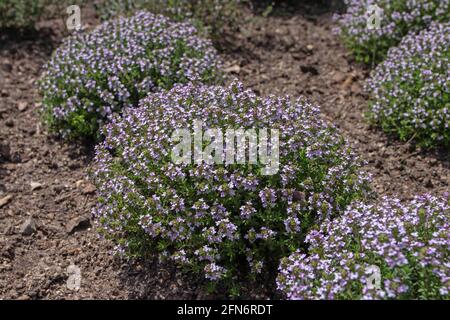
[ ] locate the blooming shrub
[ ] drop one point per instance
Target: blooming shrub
(225, 221)
(397, 18)
(407, 243)
(209, 15)
(411, 89)
(92, 75)
(25, 13)
(19, 13)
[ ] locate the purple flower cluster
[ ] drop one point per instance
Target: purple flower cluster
(94, 74)
(410, 89)
(25, 13)
(210, 217)
(396, 17)
(211, 15)
(386, 251)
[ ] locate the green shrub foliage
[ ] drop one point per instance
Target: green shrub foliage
(92, 75)
(225, 221)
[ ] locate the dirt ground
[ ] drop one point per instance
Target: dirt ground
(46, 198)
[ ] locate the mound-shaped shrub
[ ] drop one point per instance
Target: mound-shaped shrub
(397, 18)
(411, 89)
(92, 75)
(222, 220)
(388, 251)
(211, 16)
(14, 13)
(25, 13)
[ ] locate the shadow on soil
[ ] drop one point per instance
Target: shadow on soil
(13, 40)
(149, 279)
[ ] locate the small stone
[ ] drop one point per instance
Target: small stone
(74, 165)
(78, 224)
(88, 189)
(28, 227)
(338, 77)
(58, 188)
(310, 47)
(7, 251)
(35, 185)
(299, 196)
(5, 200)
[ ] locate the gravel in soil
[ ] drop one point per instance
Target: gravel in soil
(46, 197)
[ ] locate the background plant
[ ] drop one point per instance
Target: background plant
(411, 90)
(408, 242)
(227, 222)
(397, 18)
(25, 13)
(17, 13)
(211, 16)
(93, 74)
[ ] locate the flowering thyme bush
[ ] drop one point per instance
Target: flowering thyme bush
(19, 13)
(411, 89)
(409, 243)
(397, 18)
(92, 75)
(25, 13)
(224, 221)
(209, 15)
